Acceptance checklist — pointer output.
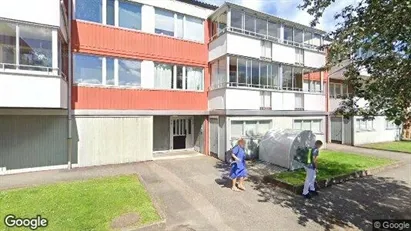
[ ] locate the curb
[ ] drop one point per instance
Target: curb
(159, 225)
(380, 149)
(298, 189)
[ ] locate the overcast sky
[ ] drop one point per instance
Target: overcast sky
(288, 9)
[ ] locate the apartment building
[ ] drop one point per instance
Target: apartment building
(96, 82)
(265, 73)
(355, 130)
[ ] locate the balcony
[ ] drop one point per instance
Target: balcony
(243, 98)
(26, 86)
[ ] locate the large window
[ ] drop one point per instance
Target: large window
(129, 15)
(261, 27)
(249, 24)
(287, 77)
(233, 71)
(312, 125)
(288, 33)
(237, 20)
(249, 128)
(110, 13)
(163, 76)
(242, 71)
(7, 43)
(194, 78)
(390, 125)
(89, 10)
(168, 76)
(87, 69)
(178, 25)
(298, 36)
(255, 74)
(35, 47)
(273, 30)
(32, 50)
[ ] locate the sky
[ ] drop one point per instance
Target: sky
(288, 9)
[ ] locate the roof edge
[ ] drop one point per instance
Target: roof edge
(200, 4)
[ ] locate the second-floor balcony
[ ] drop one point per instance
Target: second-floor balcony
(31, 64)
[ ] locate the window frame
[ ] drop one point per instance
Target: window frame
(302, 121)
(244, 122)
(390, 125)
(368, 127)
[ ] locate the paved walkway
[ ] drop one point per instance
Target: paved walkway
(195, 196)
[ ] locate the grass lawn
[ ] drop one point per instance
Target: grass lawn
(80, 205)
(400, 146)
(332, 164)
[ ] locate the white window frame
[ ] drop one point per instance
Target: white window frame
(174, 78)
(389, 125)
(301, 121)
(243, 135)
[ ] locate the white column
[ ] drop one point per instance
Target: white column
(116, 72)
(73, 9)
(17, 45)
(229, 18)
(147, 74)
(322, 81)
(104, 13)
(280, 76)
(104, 71)
(228, 70)
(55, 53)
(116, 16)
(281, 32)
(184, 78)
(174, 77)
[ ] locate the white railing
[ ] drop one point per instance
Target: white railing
(259, 86)
(31, 69)
(267, 37)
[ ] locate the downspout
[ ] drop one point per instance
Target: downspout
(69, 109)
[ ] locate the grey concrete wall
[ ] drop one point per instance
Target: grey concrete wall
(161, 133)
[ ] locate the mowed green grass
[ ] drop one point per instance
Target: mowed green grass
(332, 164)
(399, 146)
(80, 205)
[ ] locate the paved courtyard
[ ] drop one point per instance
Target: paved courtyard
(195, 196)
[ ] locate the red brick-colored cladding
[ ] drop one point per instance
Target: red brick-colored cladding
(136, 99)
(316, 76)
(117, 42)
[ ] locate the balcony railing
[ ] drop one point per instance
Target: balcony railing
(32, 70)
(259, 86)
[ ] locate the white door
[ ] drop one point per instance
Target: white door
(181, 132)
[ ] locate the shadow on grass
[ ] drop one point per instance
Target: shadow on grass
(351, 204)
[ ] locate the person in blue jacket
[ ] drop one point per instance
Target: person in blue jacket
(238, 166)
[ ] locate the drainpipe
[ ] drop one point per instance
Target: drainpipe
(69, 110)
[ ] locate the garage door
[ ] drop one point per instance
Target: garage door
(32, 141)
(107, 140)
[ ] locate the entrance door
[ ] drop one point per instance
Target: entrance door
(181, 132)
(336, 130)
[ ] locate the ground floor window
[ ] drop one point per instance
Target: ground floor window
(390, 125)
(313, 125)
(364, 125)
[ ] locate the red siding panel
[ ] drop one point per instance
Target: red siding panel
(112, 41)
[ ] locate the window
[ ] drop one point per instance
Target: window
(287, 77)
(265, 99)
(87, 69)
(266, 49)
(308, 36)
(35, 47)
(249, 128)
(163, 76)
(242, 78)
(110, 12)
(274, 76)
(298, 36)
(233, 71)
(249, 24)
(255, 78)
(179, 78)
(390, 125)
(299, 56)
(338, 90)
(261, 26)
(222, 71)
(299, 102)
(312, 125)
(7, 43)
(237, 19)
(273, 30)
(129, 15)
(194, 29)
(364, 125)
(264, 74)
(194, 78)
(298, 79)
(164, 22)
(89, 10)
(288, 33)
(110, 71)
(180, 26)
(317, 40)
(129, 72)
(222, 22)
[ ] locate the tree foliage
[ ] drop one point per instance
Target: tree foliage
(382, 30)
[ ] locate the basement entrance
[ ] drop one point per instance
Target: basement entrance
(181, 132)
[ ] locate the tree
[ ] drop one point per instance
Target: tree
(382, 30)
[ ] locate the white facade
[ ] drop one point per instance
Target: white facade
(377, 130)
